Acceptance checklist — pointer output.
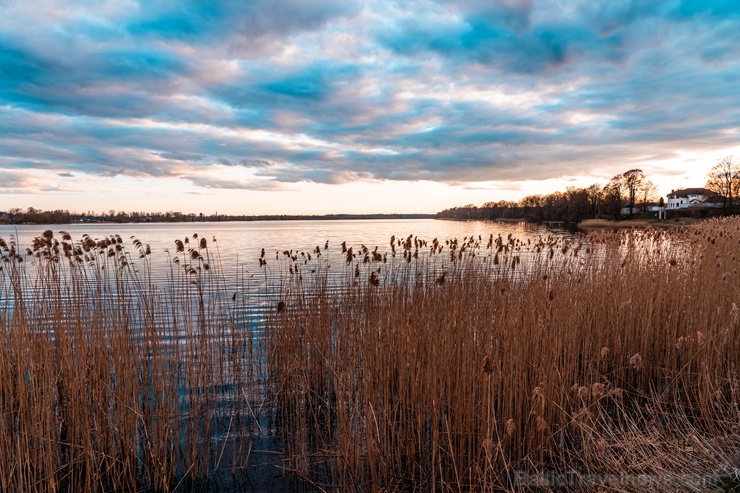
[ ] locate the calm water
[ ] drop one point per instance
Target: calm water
(240, 243)
(238, 246)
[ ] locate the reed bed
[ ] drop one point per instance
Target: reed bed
(605, 362)
(566, 364)
(111, 383)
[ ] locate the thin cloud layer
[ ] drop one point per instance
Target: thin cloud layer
(336, 91)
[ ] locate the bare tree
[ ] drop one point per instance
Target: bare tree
(14, 213)
(614, 195)
(647, 193)
(633, 180)
(724, 180)
(595, 198)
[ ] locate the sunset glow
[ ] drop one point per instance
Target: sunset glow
(292, 107)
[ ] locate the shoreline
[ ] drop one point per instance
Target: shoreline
(598, 224)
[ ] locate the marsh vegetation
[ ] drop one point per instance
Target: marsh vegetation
(420, 365)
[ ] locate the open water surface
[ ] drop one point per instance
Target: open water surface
(240, 243)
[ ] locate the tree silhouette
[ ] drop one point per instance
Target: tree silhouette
(633, 181)
(724, 180)
(614, 195)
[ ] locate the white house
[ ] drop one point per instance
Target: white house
(693, 197)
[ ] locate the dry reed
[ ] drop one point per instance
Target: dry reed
(610, 360)
(110, 383)
(482, 364)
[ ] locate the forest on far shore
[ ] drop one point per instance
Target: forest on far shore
(38, 216)
(631, 190)
(627, 195)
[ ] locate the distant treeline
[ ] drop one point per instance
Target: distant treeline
(573, 205)
(38, 216)
(626, 194)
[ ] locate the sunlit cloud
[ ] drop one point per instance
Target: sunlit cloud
(495, 96)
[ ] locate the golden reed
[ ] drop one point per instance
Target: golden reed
(448, 365)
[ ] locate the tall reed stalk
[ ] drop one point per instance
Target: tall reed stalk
(509, 363)
(109, 382)
(482, 364)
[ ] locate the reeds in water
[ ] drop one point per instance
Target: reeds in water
(481, 364)
(111, 383)
(613, 356)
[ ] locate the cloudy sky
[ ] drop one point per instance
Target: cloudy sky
(329, 106)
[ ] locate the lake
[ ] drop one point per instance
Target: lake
(240, 243)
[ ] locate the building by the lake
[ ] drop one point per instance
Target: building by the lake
(693, 197)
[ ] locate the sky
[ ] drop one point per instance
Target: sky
(339, 106)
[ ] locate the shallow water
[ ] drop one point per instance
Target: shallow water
(237, 246)
(240, 243)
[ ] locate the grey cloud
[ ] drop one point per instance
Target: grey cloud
(247, 163)
(182, 156)
(591, 83)
(256, 185)
(16, 180)
(192, 20)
